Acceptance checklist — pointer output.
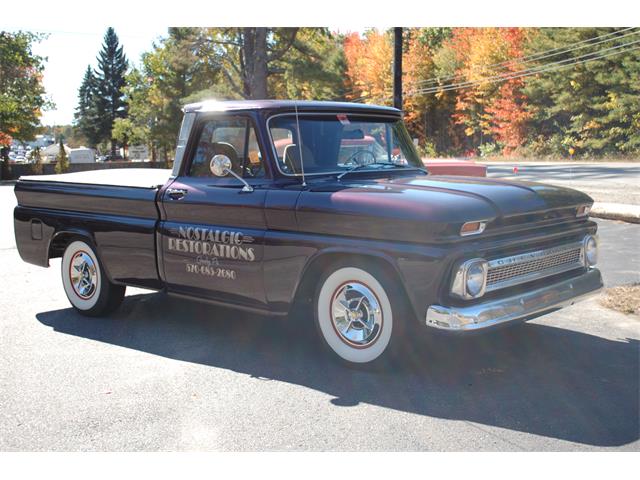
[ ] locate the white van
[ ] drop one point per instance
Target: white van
(82, 155)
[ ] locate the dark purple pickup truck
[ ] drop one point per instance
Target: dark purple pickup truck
(364, 238)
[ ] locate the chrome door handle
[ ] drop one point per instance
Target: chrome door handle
(176, 193)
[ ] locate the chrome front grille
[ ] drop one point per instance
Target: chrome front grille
(525, 267)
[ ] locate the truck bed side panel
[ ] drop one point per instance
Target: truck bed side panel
(121, 221)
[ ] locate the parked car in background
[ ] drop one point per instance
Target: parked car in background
(111, 158)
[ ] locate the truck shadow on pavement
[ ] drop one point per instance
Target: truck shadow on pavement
(532, 378)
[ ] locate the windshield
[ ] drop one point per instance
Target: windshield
(339, 142)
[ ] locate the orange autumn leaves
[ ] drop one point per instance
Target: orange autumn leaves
(369, 63)
(486, 107)
(491, 111)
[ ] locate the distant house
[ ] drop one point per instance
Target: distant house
(50, 153)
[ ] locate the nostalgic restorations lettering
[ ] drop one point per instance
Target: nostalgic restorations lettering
(221, 244)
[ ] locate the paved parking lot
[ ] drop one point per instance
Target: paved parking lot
(164, 374)
(611, 182)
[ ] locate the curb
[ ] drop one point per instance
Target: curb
(616, 211)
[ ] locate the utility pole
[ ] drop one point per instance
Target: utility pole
(397, 67)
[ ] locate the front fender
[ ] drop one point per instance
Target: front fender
(293, 263)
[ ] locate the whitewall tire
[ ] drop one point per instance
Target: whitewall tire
(85, 283)
(354, 314)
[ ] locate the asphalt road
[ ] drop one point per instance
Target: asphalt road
(614, 182)
(163, 374)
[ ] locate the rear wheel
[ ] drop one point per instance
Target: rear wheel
(85, 283)
(358, 313)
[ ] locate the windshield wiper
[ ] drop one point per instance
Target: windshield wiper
(360, 166)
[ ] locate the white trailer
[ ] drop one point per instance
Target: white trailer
(82, 155)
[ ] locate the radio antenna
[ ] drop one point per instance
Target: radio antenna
(295, 105)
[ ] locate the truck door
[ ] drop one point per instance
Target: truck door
(212, 232)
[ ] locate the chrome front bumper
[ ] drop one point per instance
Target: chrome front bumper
(519, 307)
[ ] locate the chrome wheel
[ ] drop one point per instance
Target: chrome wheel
(356, 314)
(83, 275)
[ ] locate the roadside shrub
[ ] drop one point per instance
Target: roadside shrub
(37, 168)
(62, 164)
(427, 150)
(489, 149)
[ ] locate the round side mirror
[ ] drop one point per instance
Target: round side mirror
(220, 165)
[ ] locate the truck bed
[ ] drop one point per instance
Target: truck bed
(116, 209)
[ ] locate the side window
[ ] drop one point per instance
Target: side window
(234, 137)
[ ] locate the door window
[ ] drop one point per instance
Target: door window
(234, 137)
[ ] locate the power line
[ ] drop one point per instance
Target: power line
(589, 42)
(526, 73)
(543, 54)
(520, 73)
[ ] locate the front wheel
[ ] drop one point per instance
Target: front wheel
(356, 313)
(85, 283)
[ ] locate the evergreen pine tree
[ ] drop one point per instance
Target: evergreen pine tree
(112, 67)
(591, 107)
(87, 117)
(63, 162)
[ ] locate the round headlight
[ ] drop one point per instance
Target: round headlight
(476, 275)
(590, 250)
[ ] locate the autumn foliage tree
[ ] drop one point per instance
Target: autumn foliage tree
(508, 114)
(489, 107)
(21, 91)
(368, 60)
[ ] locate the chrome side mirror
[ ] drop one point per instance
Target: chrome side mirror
(220, 166)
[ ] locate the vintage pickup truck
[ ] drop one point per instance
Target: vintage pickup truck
(271, 205)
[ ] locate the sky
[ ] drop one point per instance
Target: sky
(68, 53)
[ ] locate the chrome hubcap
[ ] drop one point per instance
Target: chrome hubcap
(84, 277)
(356, 314)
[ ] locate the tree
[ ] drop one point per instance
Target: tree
(488, 110)
(37, 168)
(87, 116)
(368, 72)
(427, 117)
(62, 164)
(156, 92)
(21, 91)
(110, 103)
(247, 56)
(507, 111)
(312, 69)
(591, 107)
(127, 132)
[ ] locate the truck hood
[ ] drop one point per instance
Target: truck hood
(413, 207)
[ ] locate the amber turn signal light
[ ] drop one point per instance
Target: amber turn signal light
(472, 228)
(583, 211)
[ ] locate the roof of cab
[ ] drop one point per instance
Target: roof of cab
(287, 105)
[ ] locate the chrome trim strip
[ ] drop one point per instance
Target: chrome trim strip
(518, 307)
(533, 256)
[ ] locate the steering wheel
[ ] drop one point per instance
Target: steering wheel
(352, 157)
